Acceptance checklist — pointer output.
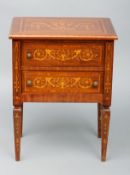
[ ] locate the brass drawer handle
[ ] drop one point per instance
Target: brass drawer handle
(29, 55)
(95, 84)
(29, 83)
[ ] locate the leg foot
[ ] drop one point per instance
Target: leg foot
(104, 131)
(17, 112)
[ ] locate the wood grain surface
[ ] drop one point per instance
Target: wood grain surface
(52, 27)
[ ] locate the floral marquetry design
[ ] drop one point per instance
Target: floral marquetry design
(62, 82)
(16, 72)
(17, 130)
(108, 72)
(16, 67)
(63, 55)
(48, 27)
(105, 131)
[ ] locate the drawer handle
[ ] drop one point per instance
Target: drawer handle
(29, 55)
(95, 84)
(29, 83)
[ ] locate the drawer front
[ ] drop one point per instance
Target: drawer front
(62, 54)
(62, 82)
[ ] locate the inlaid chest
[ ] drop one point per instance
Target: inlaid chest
(62, 60)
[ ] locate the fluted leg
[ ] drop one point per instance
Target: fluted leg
(104, 131)
(99, 107)
(17, 112)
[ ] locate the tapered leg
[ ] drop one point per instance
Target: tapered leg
(17, 112)
(104, 131)
(99, 108)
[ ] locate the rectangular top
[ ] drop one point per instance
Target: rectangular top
(62, 28)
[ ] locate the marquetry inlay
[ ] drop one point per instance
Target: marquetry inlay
(63, 55)
(62, 82)
(17, 121)
(62, 27)
(16, 67)
(105, 130)
(108, 71)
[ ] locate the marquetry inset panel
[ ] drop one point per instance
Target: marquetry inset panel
(52, 82)
(16, 72)
(17, 130)
(36, 27)
(47, 54)
(108, 73)
(105, 121)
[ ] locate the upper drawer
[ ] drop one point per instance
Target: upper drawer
(39, 53)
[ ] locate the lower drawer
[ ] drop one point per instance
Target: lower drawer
(35, 82)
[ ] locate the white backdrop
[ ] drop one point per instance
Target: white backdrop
(60, 139)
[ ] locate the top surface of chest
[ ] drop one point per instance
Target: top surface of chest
(62, 28)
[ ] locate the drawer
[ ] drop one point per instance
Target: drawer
(62, 82)
(62, 54)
